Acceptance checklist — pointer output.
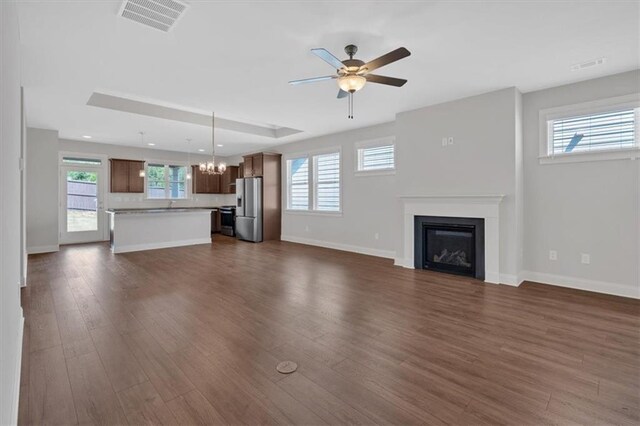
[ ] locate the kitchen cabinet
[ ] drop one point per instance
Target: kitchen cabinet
(241, 170)
(253, 165)
(228, 180)
(125, 175)
(204, 183)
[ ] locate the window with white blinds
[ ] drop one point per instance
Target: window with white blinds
(603, 131)
(327, 182)
(313, 183)
(374, 158)
(298, 183)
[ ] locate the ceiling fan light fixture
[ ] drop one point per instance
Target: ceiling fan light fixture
(351, 83)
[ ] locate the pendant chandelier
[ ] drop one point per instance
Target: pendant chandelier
(142, 173)
(210, 167)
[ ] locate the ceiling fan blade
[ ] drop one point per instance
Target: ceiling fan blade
(389, 81)
(313, 79)
(342, 94)
(383, 60)
(326, 56)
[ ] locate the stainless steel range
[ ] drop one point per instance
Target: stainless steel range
(228, 220)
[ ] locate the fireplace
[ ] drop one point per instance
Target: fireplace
(450, 244)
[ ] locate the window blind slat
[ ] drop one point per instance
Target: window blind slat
(608, 130)
(376, 158)
(327, 182)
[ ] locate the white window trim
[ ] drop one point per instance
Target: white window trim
(312, 197)
(593, 107)
(187, 189)
(373, 143)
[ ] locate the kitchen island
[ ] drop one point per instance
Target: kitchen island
(154, 228)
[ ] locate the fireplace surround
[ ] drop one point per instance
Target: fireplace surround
(453, 245)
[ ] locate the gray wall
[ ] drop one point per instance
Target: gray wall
(483, 159)
(42, 190)
(11, 322)
(589, 207)
(368, 202)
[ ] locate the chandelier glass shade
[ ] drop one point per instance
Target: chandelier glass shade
(351, 82)
(210, 167)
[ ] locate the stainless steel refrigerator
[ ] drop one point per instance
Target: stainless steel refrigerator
(249, 209)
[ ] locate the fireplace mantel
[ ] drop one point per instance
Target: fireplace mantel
(481, 199)
(485, 206)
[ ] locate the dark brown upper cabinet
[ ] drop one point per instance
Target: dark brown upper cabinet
(125, 175)
(204, 183)
(228, 181)
(253, 165)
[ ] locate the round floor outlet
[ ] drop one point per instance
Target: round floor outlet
(287, 367)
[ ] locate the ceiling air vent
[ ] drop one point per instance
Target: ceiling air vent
(588, 64)
(159, 14)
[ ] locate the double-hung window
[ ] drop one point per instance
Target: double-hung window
(373, 157)
(166, 181)
(313, 182)
(605, 129)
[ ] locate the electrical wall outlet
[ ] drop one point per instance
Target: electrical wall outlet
(306, 228)
(585, 258)
(553, 255)
(450, 140)
(376, 236)
(444, 141)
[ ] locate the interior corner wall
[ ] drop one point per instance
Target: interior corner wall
(11, 320)
(589, 207)
(368, 202)
(481, 161)
(42, 190)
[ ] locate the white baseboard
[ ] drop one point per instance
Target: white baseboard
(405, 263)
(614, 289)
(16, 379)
(43, 249)
(509, 279)
(154, 246)
(388, 254)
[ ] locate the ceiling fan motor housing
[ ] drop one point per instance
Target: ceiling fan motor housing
(351, 50)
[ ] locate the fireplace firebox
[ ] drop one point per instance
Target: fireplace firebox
(450, 244)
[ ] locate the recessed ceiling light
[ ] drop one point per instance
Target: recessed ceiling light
(86, 137)
(151, 144)
(201, 150)
(220, 144)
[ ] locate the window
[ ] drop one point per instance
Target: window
(81, 161)
(376, 158)
(599, 130)
(166, 181)
(327, 182)
(313, 183)
(298, 172)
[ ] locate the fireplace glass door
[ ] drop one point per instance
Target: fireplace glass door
(450, 249)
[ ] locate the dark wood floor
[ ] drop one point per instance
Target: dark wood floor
(192, 336)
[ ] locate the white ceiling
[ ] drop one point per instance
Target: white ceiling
(235, 58)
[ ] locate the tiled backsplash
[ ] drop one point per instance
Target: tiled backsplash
(125, 200)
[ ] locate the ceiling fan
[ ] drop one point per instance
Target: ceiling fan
(352, 74)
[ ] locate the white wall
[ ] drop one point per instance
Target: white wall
(11, 322)
(368, 202)
(42, 190)
(482, 161)
(589, 207)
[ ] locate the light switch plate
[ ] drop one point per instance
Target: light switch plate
(585, 258)
(553, 255)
